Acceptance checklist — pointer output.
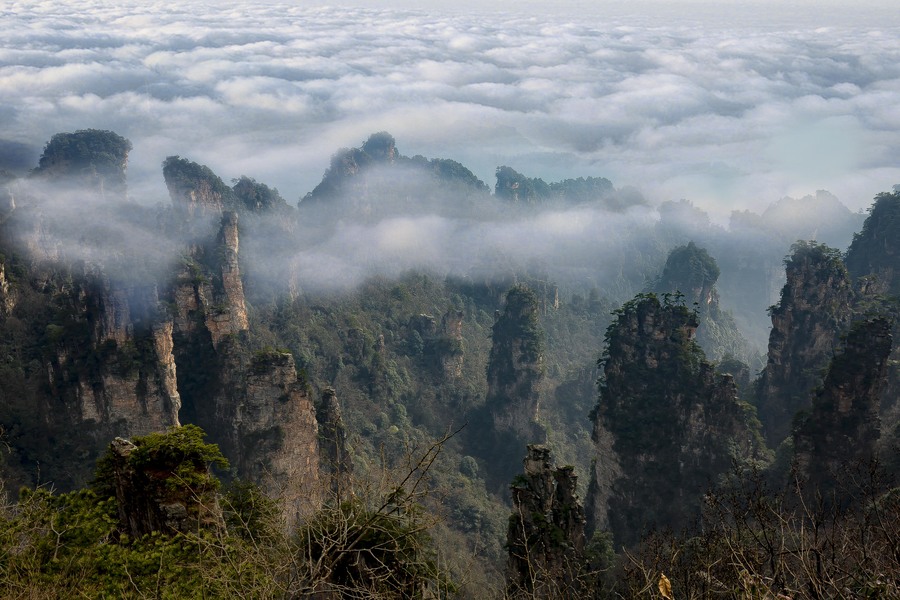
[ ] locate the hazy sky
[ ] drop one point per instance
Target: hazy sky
(725, 104)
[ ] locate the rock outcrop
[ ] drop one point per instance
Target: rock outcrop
(125, 371)
(516, 367)
(440, 345)
(196, 191)
(840, 433)
(275, 433)
(815, 308)
(375, 180)
(875, 251)
(545, 538)
(672, 423)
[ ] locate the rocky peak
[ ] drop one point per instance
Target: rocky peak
(381, 147)
(545, 538)
(692, 272)
(842, 428)
(815, 307)
(665, 420)
(335, 456)
(195, 190)
(94, 158)
(257, 197)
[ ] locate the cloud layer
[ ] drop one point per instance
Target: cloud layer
(726, 116)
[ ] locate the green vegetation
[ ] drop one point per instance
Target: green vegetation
(506, 349)
(82, 544)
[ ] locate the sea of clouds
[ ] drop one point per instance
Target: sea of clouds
(726, 113)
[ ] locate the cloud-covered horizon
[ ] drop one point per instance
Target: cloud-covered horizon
(725, 116)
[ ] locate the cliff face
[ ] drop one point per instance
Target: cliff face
(126, 375)
(815, 307)
(669, 419)
(104, 365)
(7, 293)
(545, 538)
(276, 434)
(841, 431)
(251, 403)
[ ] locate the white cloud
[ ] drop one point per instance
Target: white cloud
(686, 104)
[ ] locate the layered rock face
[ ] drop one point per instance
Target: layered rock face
(841, 431)
(666, 424)
(545, 538)
(275, 433)
(815, 307)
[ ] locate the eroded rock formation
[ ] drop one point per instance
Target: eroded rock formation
(515, 374)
